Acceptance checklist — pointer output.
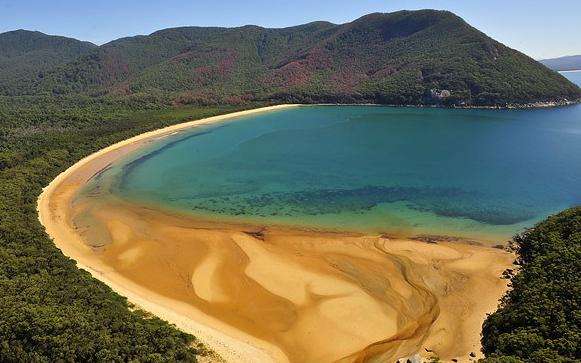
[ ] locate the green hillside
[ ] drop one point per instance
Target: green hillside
(407, 57)
(25, 56)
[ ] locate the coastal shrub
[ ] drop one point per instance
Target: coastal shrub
(539, 319)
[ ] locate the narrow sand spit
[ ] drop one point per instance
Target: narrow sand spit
(276, 294)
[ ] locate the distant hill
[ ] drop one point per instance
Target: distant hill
(569, 63)
(406, 57)
(26, 55)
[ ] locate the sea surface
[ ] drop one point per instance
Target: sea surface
(482, 174)
(573, 76)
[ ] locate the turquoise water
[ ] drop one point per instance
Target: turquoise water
(469, 173)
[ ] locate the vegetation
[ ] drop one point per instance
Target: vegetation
(539, 319)
(396, 58)
(50, 310)
(26, 55)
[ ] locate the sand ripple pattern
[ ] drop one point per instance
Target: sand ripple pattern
(315, 297)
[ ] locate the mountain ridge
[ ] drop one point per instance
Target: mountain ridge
(24, 53)
(406, 57)
(565, 63)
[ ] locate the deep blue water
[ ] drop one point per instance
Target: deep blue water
(473, 173)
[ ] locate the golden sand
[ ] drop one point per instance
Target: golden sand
(277, 294)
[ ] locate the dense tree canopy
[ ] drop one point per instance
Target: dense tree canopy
(539, 320)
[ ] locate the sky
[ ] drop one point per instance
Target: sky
(539, 28)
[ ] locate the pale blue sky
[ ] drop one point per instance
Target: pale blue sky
(538, 28)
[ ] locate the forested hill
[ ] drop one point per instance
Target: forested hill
(26, 55)
(406, 57)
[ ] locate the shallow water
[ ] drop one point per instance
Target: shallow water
(482, 174)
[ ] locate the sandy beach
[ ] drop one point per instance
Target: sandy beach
(275, 294)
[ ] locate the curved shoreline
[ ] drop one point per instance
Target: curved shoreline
(69, 243)
(232, 344)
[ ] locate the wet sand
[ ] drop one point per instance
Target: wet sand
(279, 294)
